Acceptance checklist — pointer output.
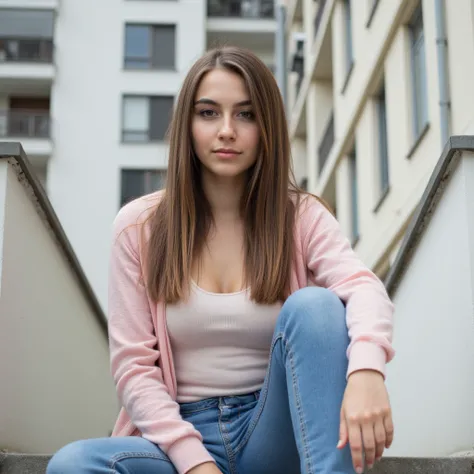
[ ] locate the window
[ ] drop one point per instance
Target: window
(372, 7)
(382, 142)
(354, 196)
(26, 23)
(420, 100)
(136, 183)
(150, 46)
(348, 36)
(145, 118)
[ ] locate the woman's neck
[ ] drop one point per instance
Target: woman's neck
(224, 196)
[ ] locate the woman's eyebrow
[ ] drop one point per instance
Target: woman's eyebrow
(213, 102)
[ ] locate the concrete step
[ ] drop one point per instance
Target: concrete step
(35, 464)
(23, 463)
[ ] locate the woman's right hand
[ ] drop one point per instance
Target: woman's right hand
(205, 468)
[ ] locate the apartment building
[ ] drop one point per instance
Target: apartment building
(376, 88)
(88, 87)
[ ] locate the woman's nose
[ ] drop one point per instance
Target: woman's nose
(227, 130)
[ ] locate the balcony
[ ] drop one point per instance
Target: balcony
(246, 23)
(26, 50)
(27, 60)
(326, 144)
(31, 4)
(241, 8)
(33, 128)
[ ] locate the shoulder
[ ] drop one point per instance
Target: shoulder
(310, 209)
(136, 213)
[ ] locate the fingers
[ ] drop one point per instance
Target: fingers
(380, 439)
(343, 435)
(368, 441)
(368, 437)
(355, 441)
(388, 424)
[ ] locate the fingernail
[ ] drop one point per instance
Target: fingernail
(359, 470)
(370, 466)
(339, 444)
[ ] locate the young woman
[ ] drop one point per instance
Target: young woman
(245, 335)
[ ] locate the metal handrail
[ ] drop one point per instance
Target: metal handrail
(25, 123)
(26, 50)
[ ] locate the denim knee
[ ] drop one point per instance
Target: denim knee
(68, 460)
(314, 313)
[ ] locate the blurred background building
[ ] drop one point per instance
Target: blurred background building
(88, 88)
(375, 90)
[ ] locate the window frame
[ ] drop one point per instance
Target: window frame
(149, 133)
(150, 60)
(419, 78)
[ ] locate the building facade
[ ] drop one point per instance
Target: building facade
(88, 87)
(376, 88)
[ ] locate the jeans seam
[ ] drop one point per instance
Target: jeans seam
(262, 397)
(300, 414)
(225, 439)
(131, 454)
(184, 412)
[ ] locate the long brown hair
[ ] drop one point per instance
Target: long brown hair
(181, 222)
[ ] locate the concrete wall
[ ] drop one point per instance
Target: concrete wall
(54, 365)
(431, 379)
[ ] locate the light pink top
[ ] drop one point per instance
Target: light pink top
(220, 342)
(141, 357)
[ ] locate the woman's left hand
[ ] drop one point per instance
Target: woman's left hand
(366, 418)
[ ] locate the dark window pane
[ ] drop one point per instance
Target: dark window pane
(137, 45)
(136, 183)
(160, 115)
(383, 142)
(420, 99)
(26, 23)
(164, 40)
(348, 25)
(355, 195)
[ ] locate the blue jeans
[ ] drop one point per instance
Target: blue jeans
(290, 426)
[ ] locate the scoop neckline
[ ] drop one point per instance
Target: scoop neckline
(202, 290)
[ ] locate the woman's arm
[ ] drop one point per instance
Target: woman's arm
(134, 354)
(366, 419)
(334, 265)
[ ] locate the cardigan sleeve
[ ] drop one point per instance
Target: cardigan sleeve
(134, 355)
(333, 264)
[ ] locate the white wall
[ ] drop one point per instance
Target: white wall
(431, 379)
(54, 364)
(84, 172)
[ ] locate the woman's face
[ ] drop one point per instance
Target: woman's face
(225, 134)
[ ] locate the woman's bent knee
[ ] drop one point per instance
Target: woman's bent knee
(71, 459)
(314, 311)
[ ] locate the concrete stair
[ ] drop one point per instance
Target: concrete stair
(36, 464)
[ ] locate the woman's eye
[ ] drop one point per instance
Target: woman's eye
(207, 113)
(247, 115)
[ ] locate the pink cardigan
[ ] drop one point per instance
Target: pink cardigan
(141, 358)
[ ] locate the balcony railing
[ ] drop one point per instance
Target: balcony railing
(326, 143)
(24, 124)
(241, 8)
(26, 50)
(319, 16)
